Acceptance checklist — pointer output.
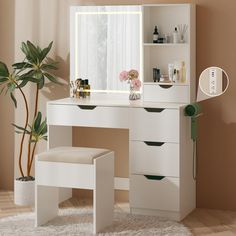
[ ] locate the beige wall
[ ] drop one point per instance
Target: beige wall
(216, 46)
(6, 108)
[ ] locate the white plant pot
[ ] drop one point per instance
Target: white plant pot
(24, 193)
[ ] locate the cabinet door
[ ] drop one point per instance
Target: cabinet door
(91, 116)
(154, 124)
(150, 192)
(154, 158)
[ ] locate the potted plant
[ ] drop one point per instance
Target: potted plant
(35, 69)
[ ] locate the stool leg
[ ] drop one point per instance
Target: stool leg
(103, 197)
(46, 204)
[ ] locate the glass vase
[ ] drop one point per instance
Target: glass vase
(134, 94)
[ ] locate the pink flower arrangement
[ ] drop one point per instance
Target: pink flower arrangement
(124, 75)
(136, 83)
(132, 78)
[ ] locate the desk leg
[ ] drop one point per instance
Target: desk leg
(60, 136)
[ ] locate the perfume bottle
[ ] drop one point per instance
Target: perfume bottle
(155, 35)
(77, 83)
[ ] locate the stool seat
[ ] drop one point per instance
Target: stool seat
(64, 168)
(79, 155)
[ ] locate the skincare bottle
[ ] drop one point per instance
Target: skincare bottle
(176, 36)
(174, 75)
(155, 35)
(171, 71)
(177, 76)
(183, 77)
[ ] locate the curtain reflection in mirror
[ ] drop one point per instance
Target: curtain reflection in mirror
(107, 44)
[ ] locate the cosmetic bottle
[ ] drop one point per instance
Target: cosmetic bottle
(183, 76)
(81, 89)
(174, 75)
(156, 74)
(155, 35)
(176, 36)
(177, 76)
(77, 84)
(87, 87)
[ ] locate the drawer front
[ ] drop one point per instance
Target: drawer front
(154, 158)
(154, 194)
(154, 124)
(160, 93)
(92, 116)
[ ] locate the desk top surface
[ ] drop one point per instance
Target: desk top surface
(113, 100)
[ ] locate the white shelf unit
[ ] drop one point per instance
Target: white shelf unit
(167, 17)
(161, 163)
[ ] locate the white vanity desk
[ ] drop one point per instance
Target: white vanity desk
(160, 147)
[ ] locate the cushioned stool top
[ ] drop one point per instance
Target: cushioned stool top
(80, 155)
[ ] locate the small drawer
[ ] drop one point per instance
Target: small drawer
(151, 192)
(154, 158)
(92, 116)
(166, 93)
(154, 124)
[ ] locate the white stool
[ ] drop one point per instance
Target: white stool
(75, 167)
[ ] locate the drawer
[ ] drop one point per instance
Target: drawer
(166, 93)
(154, 124)
(155, 194)
(154, 158)
(92, 116)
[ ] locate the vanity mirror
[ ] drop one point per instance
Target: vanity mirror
(105, 40)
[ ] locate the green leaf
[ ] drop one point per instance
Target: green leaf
(21, 128)
(33, 141)
(37, 121)
(45, 138)
(41, 83)
(25, 50)
(3, 79)
(32, 79)
(23, 83)
(49, 66)
(3, 70)
(43, 128)
(2, 90)
(52, 78)
(10, 87)
(45, 52)
(33, 52)
(22, 65)
(39, 49)
(38, 75)
(28, 74)
(13, 99)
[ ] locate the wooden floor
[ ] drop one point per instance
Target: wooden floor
(200, 222)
